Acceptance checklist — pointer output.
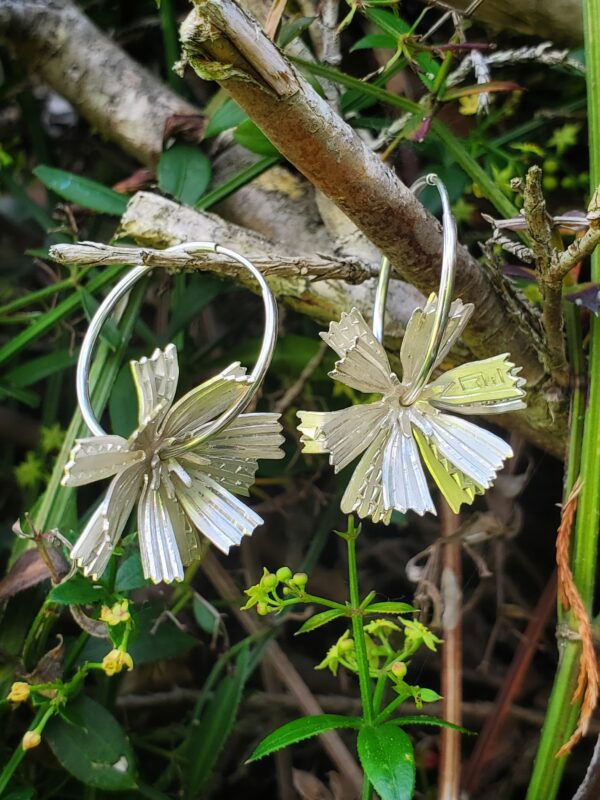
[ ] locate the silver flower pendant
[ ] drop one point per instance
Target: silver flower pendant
(400, 431)
(185, 497)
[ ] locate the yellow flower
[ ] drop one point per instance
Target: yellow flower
(115, 661)
(117, 614)
(19, 692)
(468, 105)
(30, 740)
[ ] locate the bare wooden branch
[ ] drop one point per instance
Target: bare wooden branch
(221, 42)
(541, 233)
(314, 268)
(122, 100)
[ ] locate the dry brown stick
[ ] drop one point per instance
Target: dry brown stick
(287, 673)
(503, 705)
(541, 232)
(220, 41)
(274, 17)
(451, 592)
(122, 100)
(314, 267)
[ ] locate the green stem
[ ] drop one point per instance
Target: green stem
(561, 717)
(367, 792)
(38, 724)
(358, 633)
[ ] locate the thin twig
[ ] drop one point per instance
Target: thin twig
(316, 267)
(274, 18)
(295, 389)
(451, 591)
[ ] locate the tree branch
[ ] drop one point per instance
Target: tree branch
(315, 268)
(221, 42)
(121, 100)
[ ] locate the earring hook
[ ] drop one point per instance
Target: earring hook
(123, 287)
(444, 300)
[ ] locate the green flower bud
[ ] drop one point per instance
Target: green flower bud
(287, 591)
(398, 670)
(284, 574)
(269, 581)
(300, 579)
(262, 609)
(346, 645)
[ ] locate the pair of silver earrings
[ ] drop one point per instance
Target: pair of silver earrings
(187, 461)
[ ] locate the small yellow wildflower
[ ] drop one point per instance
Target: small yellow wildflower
(468, 105)
(117, 614)
(30, 740)
(115, 661)
(19, 692)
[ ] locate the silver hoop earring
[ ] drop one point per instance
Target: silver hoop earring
(186, 461)
(409, 425)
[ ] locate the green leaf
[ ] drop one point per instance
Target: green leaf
(208, 738)
(300, 729)
(375, 40)
(225, 117)
(36, 369)
(425, 719)
(82, 191)
(122, 404)
(77, 591)
(292, 29)
(321, 619)
(387, 757)
(94, 748)
(206, 615)
(184, 172)
(130, 575)
(249, 135)
(389, 608)
(236, 181)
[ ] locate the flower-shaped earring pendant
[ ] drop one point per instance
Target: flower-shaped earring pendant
(409, 425)
(185, 463)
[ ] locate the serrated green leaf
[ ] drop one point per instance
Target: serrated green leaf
(77, 591)
(95, 750)
(82, 191)
(321, 619)
(184, 172)
(425, 719)
(387, 757)
(390, 607)
(225, 117)
(250, 136)
(208, 738)
(300, 729)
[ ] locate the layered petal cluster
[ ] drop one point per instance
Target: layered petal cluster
(184, 500)
(396, 439)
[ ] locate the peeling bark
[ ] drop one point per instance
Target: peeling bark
(119, 98)
(221, 42)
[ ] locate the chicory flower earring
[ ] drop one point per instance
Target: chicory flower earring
(185, 462)
(408, 424)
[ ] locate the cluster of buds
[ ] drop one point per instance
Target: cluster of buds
(265, 594)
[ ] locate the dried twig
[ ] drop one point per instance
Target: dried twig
(588, 681)
(278, 266)
(274, 17)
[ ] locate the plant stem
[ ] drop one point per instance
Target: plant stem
(358, 633)
(562, 716)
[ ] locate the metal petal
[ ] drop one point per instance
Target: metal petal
(93, 548)
(418, 334)
(155, 380)
(404, 482)
(98, 457)
(205, 402)
(217, 513)
(474, 451)
(491, 386)
(364, 493)
(231, 457)
(364, 363)
(455, 486)
(192, 545)
(159, 549)
(344, 434)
